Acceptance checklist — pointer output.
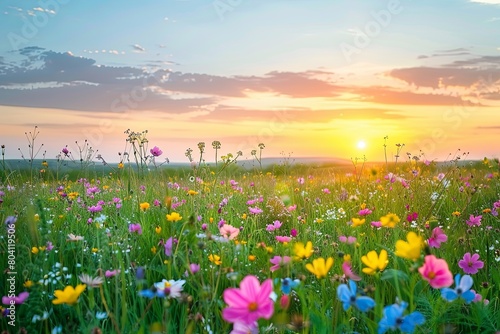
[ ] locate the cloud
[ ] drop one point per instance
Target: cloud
(487, 2)
(138, 49)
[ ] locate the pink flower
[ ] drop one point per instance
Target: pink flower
(474, 220)
(135, 228)
(250, 302)
(437, 237)
(279, 262)
(274, 226)
(156, 152)
(376, 224)
(280, 238)
(228, 231)
(300, 180)
(326, 190)
(242, 328)
(65, 151)
(470, 264)
(436, 272)
(255, 211)
(18, 300)
(293, 233)
(348, 272)
(349, 240)
(364, 212)
(292, 208)
(111, 273)
(412, 217)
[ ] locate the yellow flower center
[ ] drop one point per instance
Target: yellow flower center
(432, 275)
(252, 306)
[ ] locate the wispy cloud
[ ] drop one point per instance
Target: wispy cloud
(137, 48)
(487, 2)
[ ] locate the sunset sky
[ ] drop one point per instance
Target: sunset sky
(308, 78)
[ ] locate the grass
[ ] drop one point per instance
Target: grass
(313, 204)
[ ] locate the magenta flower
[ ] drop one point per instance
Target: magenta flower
(437, 237)
(348, 272)
(135, 228)
(274, 226)
(364, 212)
(255, 211)
(169, 244)
(250, 302)
(279, 262)
(376, 224)
(349, 240)
(65, 151)
(156, 152)
(474, 220)
(280, 238)
(293, 233)
(436, 272)
(18, 300)
(111, 273)
(470, 264)
(412, 217)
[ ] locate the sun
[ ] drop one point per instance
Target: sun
(361, 144)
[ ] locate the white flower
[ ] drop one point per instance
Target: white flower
(170, 288)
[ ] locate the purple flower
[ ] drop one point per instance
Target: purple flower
(169, 244)
(255, 211)
(10, 220)
(156, 152)
(135, 228)
(470, 264)
(65, 151)
(18, 300)
(94, 208)
(474, 220)
(437, 237)
(293, 233)
(194, 268)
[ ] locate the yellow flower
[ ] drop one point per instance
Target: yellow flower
(269, 249)
(158, 229)
(215, 259)
(173, 217)
(411, 249)
(251, 257)
(72, 195)
(95, 250)
(302, 252)
(211, 220)
(144, 206)
(153, 250)
(244, 216)
(37, 217)
(45, 164)
(69, 295)
(121, 165)
(320, 267)
(192, 192)
(456, 213)
(375, 262)
(28, 284)
(357, 222)
(318, 220)
(34, 250)
(487, 210)
(389, 220)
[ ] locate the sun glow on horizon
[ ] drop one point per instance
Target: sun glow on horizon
(361, 145)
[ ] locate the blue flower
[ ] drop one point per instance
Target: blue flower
(462, 289)
(348, 297)
(393, 319)
(287, 284)
(148, 293)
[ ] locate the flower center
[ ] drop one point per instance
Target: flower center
(252, 306)
(470, 264)
(431, 275)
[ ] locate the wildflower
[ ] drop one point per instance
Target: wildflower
(462, 289)
(437, 237)
(376, 224)
(111, 273)
(242, 328)
(283, 239)
(169, 244)
(364, 212)
(302, 252)
(274, 226)
(120, 165)
(192, 192)
(255, 210)
(158, 229)
(347, 296)
(348, 272)
(101, 315)
(72, 237)
(293, 233)
(279, 262)
(412, 217)
(155, 151)
(456, 213)
(357, 222)
(170, 288)
(389, 220)
(194, 268)
(28, 284)
(215, 259)
(393, 319)
(228, 231)
(173, 217)
(144, 206)
(287, 284)
(474, 220)
(411, 249)
(69, 295)
(436, 272)
(470, 264)
(320, 267)
(90, 281)
(135, 228)
(251, 257)
(18, 300)
(375, 262)
(250, 302)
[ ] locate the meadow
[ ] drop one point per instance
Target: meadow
(408, 246)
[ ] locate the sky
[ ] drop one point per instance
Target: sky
(307, 78)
